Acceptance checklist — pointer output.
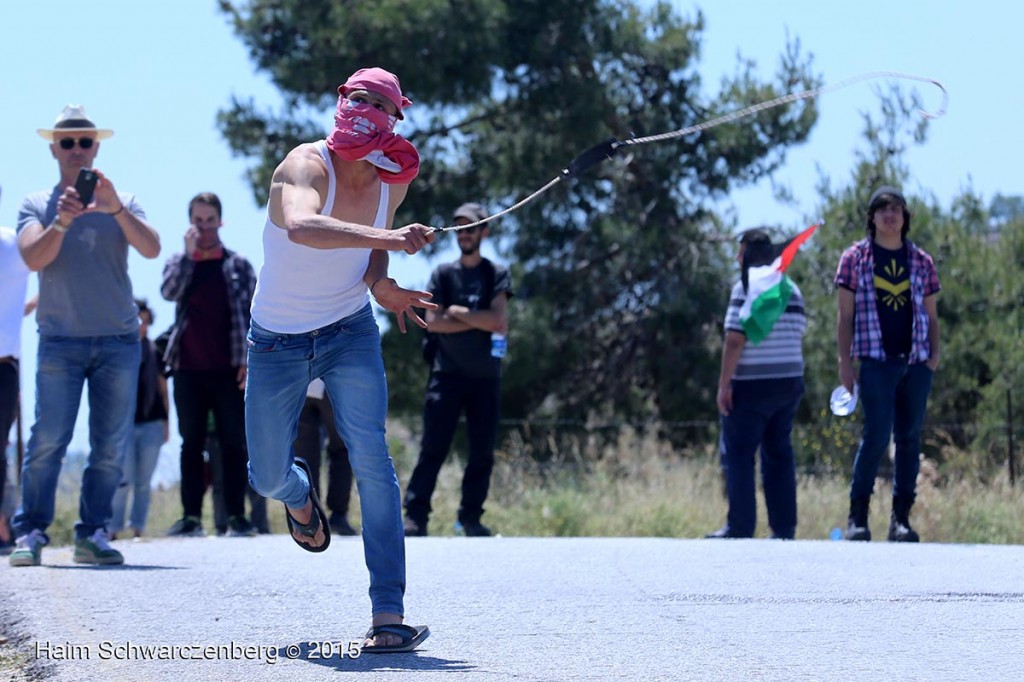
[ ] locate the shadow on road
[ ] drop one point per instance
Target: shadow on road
(312, 652)
(123, 567)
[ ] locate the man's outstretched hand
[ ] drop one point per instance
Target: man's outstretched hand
(402, 302)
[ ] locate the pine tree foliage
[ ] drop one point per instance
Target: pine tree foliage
(621, 274)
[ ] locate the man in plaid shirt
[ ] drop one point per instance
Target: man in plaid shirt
(213, 287)
(889, 322)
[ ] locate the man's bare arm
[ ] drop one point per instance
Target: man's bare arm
(297, 193)
(39, 245)
(140, 234)
(438, 321)
(494, 319)
(844, 337)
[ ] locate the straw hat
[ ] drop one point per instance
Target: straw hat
(73, 120)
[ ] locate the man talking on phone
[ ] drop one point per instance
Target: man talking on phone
(88, 332)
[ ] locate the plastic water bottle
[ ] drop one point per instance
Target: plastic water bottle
(842, 402)
(836, 534)
(499, 345)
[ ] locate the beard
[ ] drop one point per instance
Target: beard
(208, 238)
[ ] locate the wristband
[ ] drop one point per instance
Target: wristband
(57, 226)
(375, 283)
(117, 211)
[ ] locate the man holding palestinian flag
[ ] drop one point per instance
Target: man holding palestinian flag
(760, 385)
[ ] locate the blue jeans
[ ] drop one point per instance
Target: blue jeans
(140, 458)
(347, 356)
(894, 396)
(110, 364)
(762, 417)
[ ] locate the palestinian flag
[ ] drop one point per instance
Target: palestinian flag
(769, 289)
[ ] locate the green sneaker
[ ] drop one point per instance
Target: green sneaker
(28, 550)
(96, 549)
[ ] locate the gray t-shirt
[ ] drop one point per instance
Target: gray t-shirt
(469, 352)
(85, 291)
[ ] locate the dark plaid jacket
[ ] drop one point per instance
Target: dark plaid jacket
(241, 280)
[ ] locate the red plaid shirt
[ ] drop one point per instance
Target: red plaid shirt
(856, 272)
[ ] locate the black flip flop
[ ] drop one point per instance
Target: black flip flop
(318, 521)
(411, 636)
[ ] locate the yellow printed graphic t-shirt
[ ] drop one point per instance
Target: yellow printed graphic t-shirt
(892, 291)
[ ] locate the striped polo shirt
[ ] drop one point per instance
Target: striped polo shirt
(780, 355)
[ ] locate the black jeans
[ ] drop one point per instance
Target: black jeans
(8, 411)
(196, 394)
(447, 396)
(316, 417)
(257, 503)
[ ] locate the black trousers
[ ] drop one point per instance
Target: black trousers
(448, 395)
(196, 394)
(257, 503)
(8, 411)
(315, 421)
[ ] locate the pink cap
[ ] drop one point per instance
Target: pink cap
(380, 81)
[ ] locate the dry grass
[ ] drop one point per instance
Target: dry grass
(640, 487)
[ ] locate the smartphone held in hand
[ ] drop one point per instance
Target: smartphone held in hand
(85, 185)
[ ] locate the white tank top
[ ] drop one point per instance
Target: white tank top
(301, 288)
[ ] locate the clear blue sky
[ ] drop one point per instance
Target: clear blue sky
(157, 73)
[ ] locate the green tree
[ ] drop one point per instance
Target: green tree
(1005, 209)
(620, 273)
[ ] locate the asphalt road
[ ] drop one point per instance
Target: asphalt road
(528, 609)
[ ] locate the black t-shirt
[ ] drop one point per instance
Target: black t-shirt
(468, 352)
(892, 292)
(206, 341)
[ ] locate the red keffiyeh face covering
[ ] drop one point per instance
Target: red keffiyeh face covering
(364, 132)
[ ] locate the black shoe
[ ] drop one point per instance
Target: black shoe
(415, 529)
(239, 527)
(187, 527)
(857, 524)
(725, 533)
(476, 530)
(899, 521)
(340, 525)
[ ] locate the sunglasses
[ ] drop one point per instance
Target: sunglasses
(83, 142)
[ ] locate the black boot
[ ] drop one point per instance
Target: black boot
(857, 525)
(899, 521)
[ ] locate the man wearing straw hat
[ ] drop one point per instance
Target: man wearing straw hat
(88, 332)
